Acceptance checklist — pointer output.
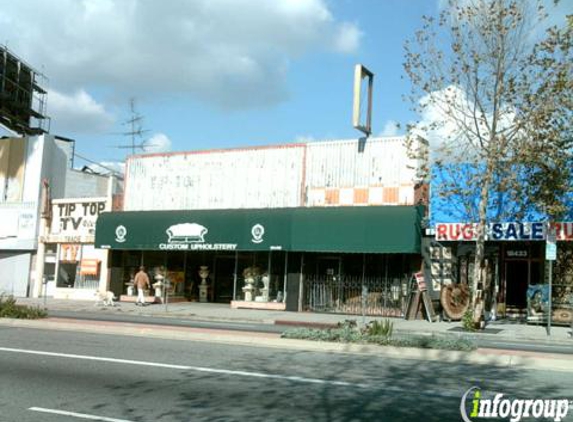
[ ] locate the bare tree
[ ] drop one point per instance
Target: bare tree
(499, 97)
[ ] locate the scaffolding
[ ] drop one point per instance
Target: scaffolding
(23, 100)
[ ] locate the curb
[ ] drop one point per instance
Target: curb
(477, 336)
(166, 316)
(504, 358)
(305, 324)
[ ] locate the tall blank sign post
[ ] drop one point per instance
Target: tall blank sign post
(362, 100)
(550, 256)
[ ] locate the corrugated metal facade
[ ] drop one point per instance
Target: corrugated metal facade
(372, 172)
(350, 172)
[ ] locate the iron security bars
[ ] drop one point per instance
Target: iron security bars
(373, 296)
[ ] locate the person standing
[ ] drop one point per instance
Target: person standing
(141, 281)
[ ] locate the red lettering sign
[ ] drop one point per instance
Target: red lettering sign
(441, 232)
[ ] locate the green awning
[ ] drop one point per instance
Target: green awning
(390, 229)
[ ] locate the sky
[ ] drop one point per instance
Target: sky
(209, 74)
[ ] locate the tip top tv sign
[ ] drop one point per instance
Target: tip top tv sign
(504, 231)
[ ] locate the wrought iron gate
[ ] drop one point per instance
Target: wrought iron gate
(374, 296)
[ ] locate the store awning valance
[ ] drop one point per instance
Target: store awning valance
(389, 229)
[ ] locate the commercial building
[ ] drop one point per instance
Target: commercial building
(26, 165)
(517, 270)
(318, 226)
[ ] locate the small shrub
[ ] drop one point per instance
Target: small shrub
(352, 335)
(348, 324)
(345, 335)
(468, 320)
(10, 309)
(452, 343)
(380, 328)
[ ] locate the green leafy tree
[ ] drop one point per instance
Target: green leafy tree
(494, 92)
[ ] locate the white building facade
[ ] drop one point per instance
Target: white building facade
(353, 172)
(25, 164)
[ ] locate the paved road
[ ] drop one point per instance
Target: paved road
(44, 374)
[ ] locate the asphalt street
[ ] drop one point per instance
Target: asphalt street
(66, 376)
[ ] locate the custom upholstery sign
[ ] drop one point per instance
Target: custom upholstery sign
(392, 229)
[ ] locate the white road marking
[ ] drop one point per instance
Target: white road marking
(388, 389)
(188, 368)
(76, 415)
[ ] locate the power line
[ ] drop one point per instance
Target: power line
(117, 173)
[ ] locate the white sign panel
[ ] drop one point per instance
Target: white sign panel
(247, 178)
(18, 222)
(74, 221)
(550, 251)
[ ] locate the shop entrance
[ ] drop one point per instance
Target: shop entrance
(329, 267)
(517, 280)
(523, 266)
(224, 279)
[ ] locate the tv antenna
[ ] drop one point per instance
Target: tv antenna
(135, 130)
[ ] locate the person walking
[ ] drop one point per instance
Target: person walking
(141, 281)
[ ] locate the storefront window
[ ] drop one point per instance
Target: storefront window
(276, 274)
(78, 266)
(176, 272)
(69, 257)
(132, 260)
(154, 262)
(67, 273)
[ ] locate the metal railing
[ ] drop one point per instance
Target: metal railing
(374, 296)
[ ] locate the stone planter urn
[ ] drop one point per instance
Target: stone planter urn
(251, 275)
(158, 286)
(203, 287)
(265, 290)
(249, 288)
(159, 282)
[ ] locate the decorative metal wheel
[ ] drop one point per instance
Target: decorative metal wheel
(562, 315)
(455, 299)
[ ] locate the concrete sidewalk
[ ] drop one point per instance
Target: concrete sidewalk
(488, 357)
(499, 330)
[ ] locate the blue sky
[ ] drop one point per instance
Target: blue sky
(213, 73)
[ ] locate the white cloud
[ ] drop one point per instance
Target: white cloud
(304, 138)
(78, 113)
(441, 121)
(447, 123)
(390, 128)
(348, 38)
(157, 143)
(106, 167)
(229, 53)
